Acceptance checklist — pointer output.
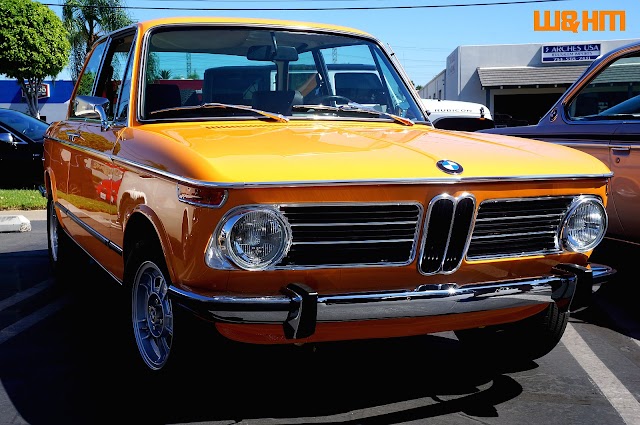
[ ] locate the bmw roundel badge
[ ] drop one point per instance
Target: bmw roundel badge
(449, 167)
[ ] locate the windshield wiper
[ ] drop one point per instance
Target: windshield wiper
(354, 107)
(272, 115)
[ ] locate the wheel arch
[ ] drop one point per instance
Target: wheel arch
(144, 224)
(49, 183)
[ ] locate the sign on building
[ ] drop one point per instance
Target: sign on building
(570, 52)
(43, 91)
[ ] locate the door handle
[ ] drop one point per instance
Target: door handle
(620, 149)
(73, 136)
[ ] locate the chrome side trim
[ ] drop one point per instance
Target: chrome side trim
(93, 232)
(82, 148)
(302, 183)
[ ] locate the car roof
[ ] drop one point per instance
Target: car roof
(148, 24)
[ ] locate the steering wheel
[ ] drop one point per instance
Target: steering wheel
(332, 98)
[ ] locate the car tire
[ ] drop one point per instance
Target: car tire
(528, 339)
(151, 309)
(154, 320)
(59, 244)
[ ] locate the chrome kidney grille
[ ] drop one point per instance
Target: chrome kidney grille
(446, 233)
(356, 235)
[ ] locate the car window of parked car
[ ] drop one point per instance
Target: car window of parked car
(113, 70)
(615, 84)
(124, 94)
(92, 64)
(23, 124)
(275, 71)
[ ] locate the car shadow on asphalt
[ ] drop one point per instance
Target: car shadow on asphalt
(77, 367)
(615, 304)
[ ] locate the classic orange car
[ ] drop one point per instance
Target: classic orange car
(259, 187)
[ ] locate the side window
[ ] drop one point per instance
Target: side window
(113, 71)
(612, 92)
(88, 76)
(125, 89)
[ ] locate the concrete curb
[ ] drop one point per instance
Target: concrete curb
(19, 221)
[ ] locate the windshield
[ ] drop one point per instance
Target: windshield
(270, 71)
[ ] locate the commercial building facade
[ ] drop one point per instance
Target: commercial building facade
(517, 82)
(52, 104)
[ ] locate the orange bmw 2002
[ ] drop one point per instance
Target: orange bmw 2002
(280, 180)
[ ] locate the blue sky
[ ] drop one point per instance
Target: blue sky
(422, 33)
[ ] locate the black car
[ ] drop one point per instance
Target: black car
(600, 114)
(21, 148)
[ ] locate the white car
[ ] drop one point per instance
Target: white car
(458, 115)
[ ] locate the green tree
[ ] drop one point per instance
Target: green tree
(33, 46)
(87, 21)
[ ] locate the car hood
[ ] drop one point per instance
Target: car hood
(300, 152)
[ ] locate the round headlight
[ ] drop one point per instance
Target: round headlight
(584, 225)
(254, 238)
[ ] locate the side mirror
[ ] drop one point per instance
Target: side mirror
(266, 53)
(92, 107)
(8, 138)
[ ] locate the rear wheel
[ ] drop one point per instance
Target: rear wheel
(59, 243)
(528, 339)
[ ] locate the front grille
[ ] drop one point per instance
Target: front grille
(348, 235)
(517, 227)
(344, 235)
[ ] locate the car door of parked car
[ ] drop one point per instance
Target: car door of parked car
(608, 103)
(92, 142)
(18, 155)
(600, 114)
(66, 158)
(625, 185)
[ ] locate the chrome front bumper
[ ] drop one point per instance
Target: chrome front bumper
(299, 308)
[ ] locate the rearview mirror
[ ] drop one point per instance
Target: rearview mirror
(92, 107)
(8, 138)
(266, 53)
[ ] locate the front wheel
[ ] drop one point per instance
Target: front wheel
(151, 306)
(528, 339)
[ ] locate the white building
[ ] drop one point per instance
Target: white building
(519, 80)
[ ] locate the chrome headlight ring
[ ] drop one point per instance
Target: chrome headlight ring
(251, 238)
(584, 225)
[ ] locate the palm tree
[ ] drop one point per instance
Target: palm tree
(87, 21)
